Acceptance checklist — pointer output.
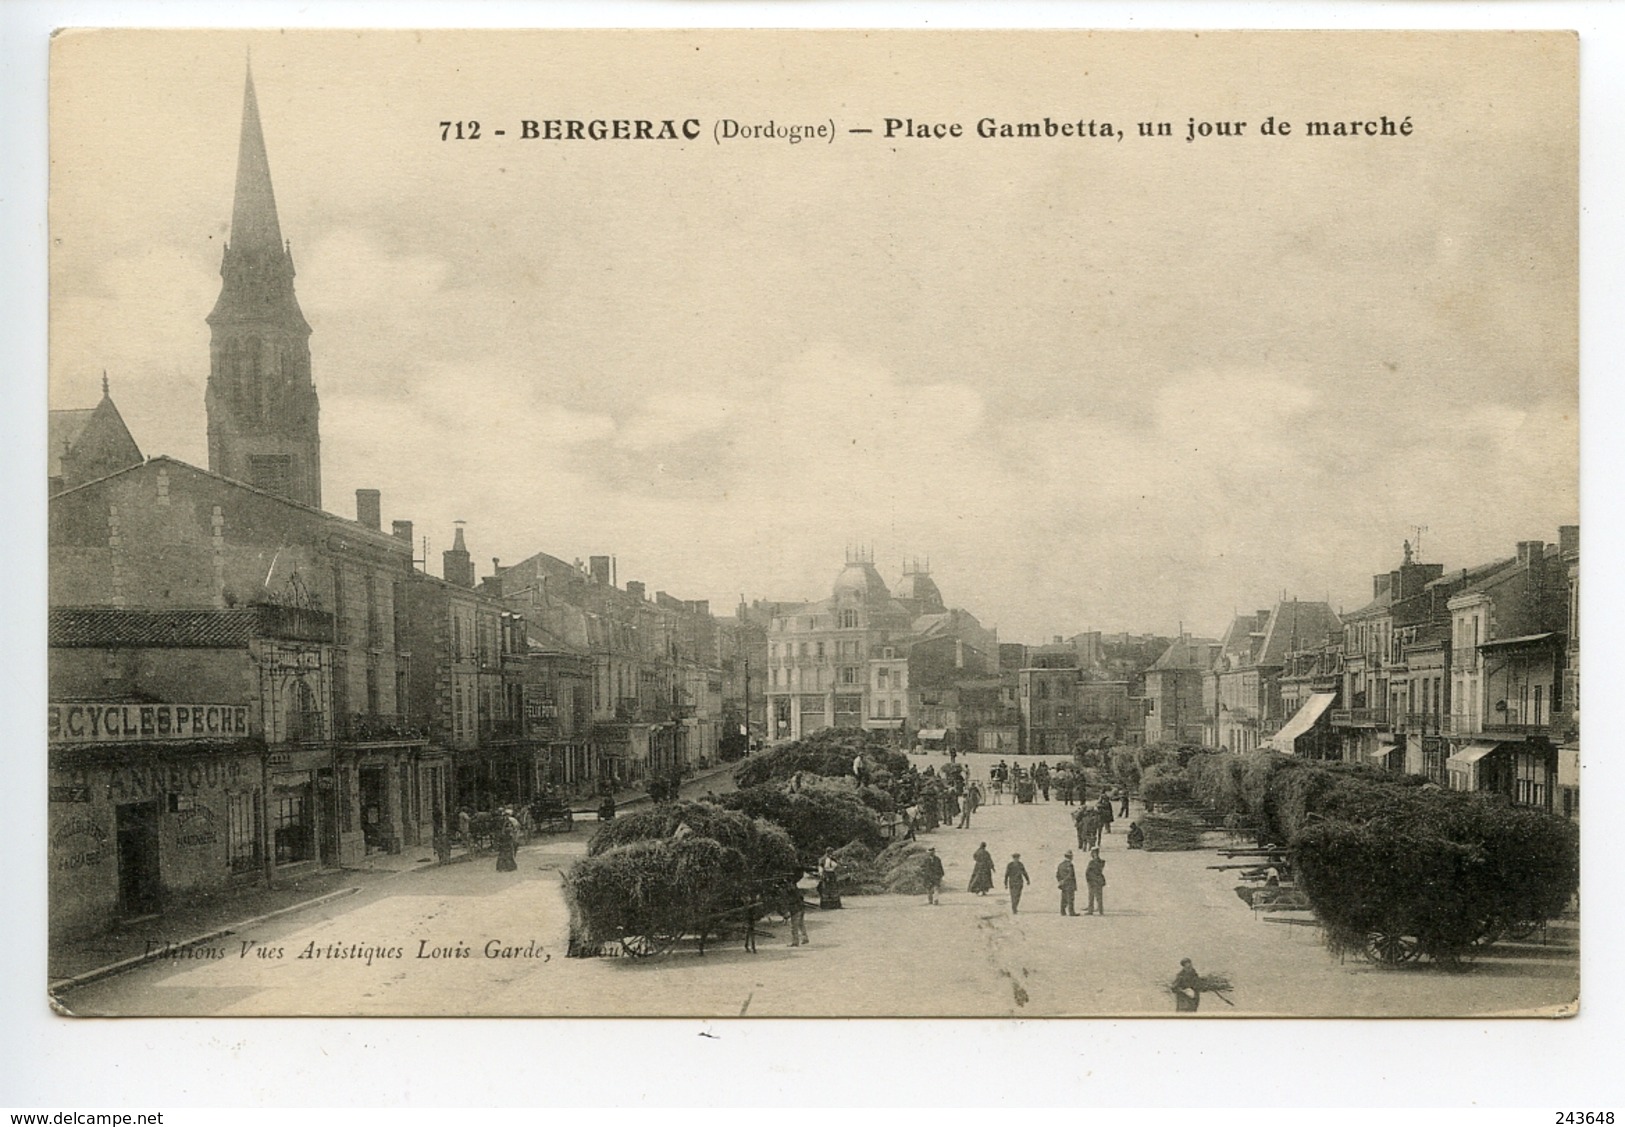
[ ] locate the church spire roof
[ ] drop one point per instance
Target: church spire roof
(254, 226)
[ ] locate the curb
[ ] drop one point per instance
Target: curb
(122, 965)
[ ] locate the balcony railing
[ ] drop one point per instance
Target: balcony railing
(503, 729)
(1423, 723)
(1514, 729)
(1359, 718)
(374, 726)
(307, 727)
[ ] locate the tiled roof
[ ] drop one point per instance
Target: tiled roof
(1188, 653)
(104, 627)
(1294, 625)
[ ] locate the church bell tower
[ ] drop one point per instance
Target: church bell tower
(261, 401)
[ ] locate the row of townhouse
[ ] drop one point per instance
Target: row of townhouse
(654, 702)
(1469, 678)
(245, 686)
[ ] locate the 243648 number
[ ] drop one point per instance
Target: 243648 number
(1582, 1118)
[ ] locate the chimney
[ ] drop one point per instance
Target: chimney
(635, 588)
(496, 566)
(1529, 553)
(455, 564)
(1568, 538)
(402, 530)
(367, 508)
(1057, 640)
(598, 568)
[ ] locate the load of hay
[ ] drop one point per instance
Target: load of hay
(1393, 866)
(827, 752)
(1165, 785)
(1443, 870)
(666, 887)
(899, 868)
(1216, 783)
(766, 848)
(1171, 832)
(671, 870)
(870, 795)
(815, 819)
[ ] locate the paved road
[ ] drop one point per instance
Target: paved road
(467, 939)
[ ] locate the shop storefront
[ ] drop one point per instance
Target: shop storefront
(143, 809)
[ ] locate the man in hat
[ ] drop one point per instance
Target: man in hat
(1095, 877)
(1067, 877)
(932, 869)
(1016, 879)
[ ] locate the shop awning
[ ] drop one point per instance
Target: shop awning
(1469, 755)
(1383, 752)
(1302, 720)
(933, 733)
(879, 724)
(1521, 640)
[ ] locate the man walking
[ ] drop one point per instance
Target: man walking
(1095, 877)
(1123, 813)
(1015, 879)
(1104, 806)
(1067, 877)
(973, 799)
(933, 872)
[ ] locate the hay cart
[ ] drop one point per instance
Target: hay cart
(737, 921)
(551, 815)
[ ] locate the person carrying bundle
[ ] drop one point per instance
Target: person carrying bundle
(1187, 988)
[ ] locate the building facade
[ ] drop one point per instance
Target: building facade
(1508, 665)
(1172, 694)
(345, 773)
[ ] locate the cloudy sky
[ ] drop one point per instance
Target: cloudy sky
(1101, 384)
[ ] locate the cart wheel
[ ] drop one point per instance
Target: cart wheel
(1391, 949)
(647, 946)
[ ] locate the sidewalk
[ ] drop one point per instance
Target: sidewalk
(691, 787)
(195, 918)
(201, 917)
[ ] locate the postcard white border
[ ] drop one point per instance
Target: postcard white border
(225, 1062)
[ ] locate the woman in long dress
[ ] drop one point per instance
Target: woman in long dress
(981, 874)
(507, 842)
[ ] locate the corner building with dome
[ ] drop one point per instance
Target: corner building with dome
(873, 657)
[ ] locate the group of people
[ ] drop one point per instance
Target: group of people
(1093, 820)
(1016, 880)
(948, 803)
(1025, 783)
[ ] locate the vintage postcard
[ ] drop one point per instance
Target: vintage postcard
(801, 524)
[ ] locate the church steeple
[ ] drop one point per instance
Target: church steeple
(261, 402)
(253, 214)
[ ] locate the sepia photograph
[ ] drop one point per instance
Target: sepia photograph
(791, 524)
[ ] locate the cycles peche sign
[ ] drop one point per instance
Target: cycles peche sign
(80, 722)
